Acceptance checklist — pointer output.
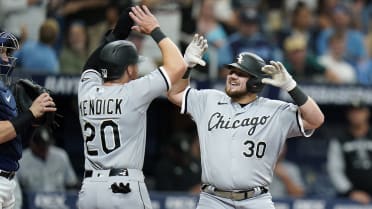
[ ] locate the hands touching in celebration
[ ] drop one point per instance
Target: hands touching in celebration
(195, 50)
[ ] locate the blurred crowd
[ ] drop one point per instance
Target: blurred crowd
(318, 41)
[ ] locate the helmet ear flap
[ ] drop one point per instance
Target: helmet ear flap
(254, 85)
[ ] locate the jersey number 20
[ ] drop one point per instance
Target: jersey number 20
(102, 127)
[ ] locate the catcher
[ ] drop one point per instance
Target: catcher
(13, 121)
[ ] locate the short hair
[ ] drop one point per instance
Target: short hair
(48, 31)
(299, 6)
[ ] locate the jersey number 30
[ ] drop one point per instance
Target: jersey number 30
(252, 148)
(105, 124)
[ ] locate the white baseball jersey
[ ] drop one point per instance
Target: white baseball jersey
(113, 118)
(240, 145)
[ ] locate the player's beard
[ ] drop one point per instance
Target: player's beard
(236, 94)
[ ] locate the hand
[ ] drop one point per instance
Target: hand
(279, 76)
(195, 50)
(360, 196)
(145, 20)
(43, 103)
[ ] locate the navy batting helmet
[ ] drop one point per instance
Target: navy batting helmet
(8, 44)
(116, 56)
(252, 64)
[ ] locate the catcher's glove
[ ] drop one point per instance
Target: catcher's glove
(25, 92)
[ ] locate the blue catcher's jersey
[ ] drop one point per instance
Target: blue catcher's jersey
(11, 151)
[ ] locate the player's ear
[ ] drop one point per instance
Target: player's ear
(132, 71)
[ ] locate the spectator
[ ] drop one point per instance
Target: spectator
(341, 19)
(287, 180)
(325, 8)
(67, 12)
(168, 12)
(97, 31)
(303, 66)
(358, 8)
(248, 38)
(38, 57)
(209, 27)
(364, 68)
(45, 167)
(75, 52)
(23, 18)
(301, 23)
(349, 156)
(225, 14)
(334, 59)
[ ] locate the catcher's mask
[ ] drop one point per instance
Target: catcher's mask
(8, 44)
(252, 64)
(116, 56)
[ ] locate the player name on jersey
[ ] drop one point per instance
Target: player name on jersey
(217, 120)
(100, 106)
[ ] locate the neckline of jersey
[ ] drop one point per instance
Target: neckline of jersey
(243, 105)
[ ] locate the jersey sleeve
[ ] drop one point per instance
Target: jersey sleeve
(291, 113)
(194, 102)
(147, 88)
(89, 79)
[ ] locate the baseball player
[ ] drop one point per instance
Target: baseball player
(242, 134)
(11, 124)
(112, 111)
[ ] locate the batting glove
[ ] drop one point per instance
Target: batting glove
(195, 50)
(279, 76)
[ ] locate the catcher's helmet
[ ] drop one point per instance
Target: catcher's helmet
(9, 43)
(116, 56)
(252, 64)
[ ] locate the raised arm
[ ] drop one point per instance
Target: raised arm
(312, 116)
(193, 56)
(10, 128)
(147, 23)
